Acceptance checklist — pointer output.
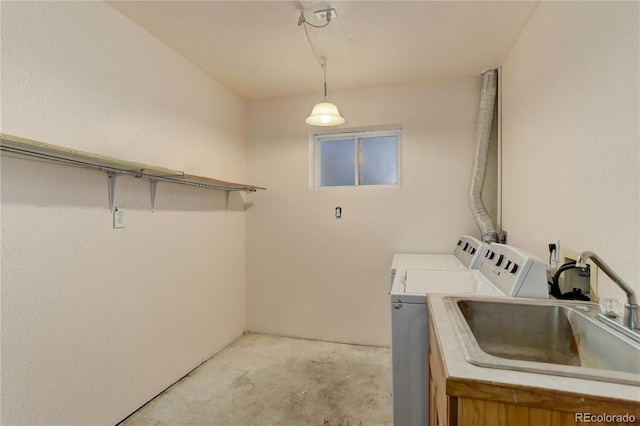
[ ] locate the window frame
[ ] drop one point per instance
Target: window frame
(316, 139)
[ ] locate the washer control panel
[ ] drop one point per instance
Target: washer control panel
(470, 251)
(516, 272)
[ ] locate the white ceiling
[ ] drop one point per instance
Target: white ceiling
(257, 49)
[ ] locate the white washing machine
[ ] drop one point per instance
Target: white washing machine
(503, 271)
(467, 254)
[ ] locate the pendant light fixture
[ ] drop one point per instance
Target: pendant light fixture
(323, 113)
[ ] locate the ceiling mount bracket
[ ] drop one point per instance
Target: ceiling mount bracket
(326, 14)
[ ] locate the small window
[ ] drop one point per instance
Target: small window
(369, 158)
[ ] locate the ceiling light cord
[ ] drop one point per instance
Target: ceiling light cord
(301, 21)
(324, 71)
(321, 60)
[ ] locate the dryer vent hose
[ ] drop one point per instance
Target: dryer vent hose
(483, 133)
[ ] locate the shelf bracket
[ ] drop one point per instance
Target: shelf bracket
(154, 185)
(226, 194)
(112, 189)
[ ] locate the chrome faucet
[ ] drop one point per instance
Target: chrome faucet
(631, 318)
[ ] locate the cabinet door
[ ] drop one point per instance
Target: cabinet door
(433, 388)
(439, 403)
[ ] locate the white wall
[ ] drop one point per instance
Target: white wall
(571, 134)
(311, 275)
(96, 321)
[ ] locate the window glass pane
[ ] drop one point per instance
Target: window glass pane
(337, 163)
(377, 160)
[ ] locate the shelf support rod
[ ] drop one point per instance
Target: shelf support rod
(112, 189)
(154, 185)
(227, 193)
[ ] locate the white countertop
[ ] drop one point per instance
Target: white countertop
(458, 367)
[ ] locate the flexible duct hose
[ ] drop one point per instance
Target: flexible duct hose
(483, 133)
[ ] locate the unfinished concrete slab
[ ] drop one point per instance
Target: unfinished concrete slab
(270, 380)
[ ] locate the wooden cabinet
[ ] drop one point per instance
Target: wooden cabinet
(441, 407)
(458, 401)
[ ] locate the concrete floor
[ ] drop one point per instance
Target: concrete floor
(269, 380)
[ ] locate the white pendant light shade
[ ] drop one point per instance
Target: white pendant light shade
(325, 114)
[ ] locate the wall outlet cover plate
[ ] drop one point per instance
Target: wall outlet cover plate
(119, 220)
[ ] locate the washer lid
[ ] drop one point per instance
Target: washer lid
(453, 282)
(427, 261)
(414, 284)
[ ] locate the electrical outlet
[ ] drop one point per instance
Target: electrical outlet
(119, 218)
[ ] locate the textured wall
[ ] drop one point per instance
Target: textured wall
(313, 276)
(571, 132)
(96, 321)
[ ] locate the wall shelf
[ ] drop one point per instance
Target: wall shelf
(114, 167)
